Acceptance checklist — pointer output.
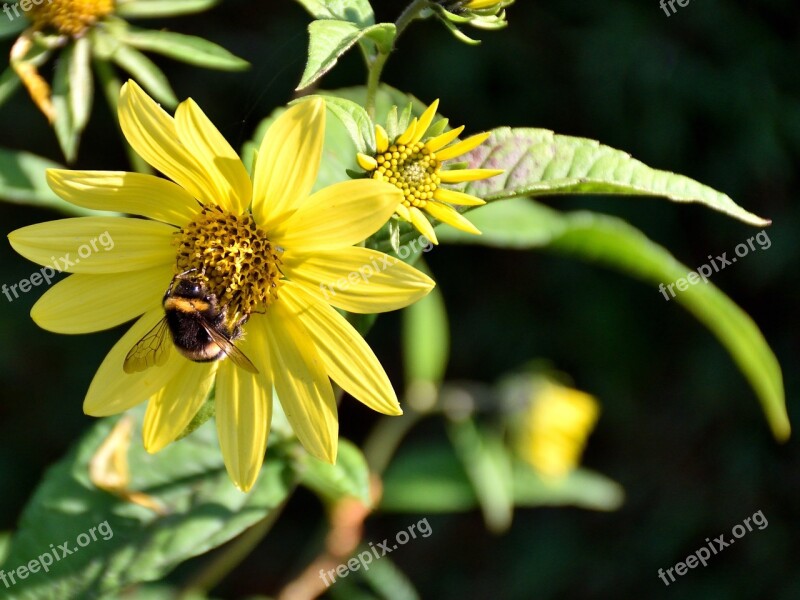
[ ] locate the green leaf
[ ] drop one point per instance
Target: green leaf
(386, 579)
(355, 11)
(162, 8)
(539, 162)
(5, 545)
(348, 477)
(428, 478)
(22, 181)
(9, 82)
(67, 131)
(330, 39)
(614, 243)
(81, 84)
(426, 339)
(355, 120)
(145, 72)
(487, 463)
(10, 24)
(186, 48)
(188, 477)
(581, 488)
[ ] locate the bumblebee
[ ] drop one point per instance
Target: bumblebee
(198, 325)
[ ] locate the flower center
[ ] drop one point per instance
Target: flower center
(69, 17)
(413, 169)
(233, 258)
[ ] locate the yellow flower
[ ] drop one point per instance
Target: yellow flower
(555, 427)
(275, 263)
(414, 164)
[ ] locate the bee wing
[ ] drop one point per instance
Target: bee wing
(236, 355)
(148, 351)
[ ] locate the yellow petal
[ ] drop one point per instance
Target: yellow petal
(420, 221)
(153, 135)
(112, 390)
(96, 244)
(338, 215)
(215, 155)
(425, 121)
(86, 303)
(440, 141)
(174, 406)
(402, 210)
(360, 280)
(408, 134)
(302, 384)
(463, 146)
(449, 215)
(366, 162)
(133, 193)
(381, 139)
(288, 162)
(244, 408)
(457, 198)
(459, 175)
(348, 359)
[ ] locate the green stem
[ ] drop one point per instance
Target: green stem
(411, 13)
(384, 439)
(111, 86)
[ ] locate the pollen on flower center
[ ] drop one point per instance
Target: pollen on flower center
(69, 17)
(233, 258)
(413, 169)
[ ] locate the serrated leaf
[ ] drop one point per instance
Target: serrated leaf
(348, 477)
(185, 48)
(355, 120)
(539, 162)
(522, 223)
(162, 8)
(355, 11)
(188, 477)
(426, 339)
(22, 181)
(146, 73)
(330, 39)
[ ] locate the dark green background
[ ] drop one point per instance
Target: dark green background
(711, 92)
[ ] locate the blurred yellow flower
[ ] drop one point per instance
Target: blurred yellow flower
(264, 249)
(68, 17)
(89, 35)
(415, 164)
(555, 427)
